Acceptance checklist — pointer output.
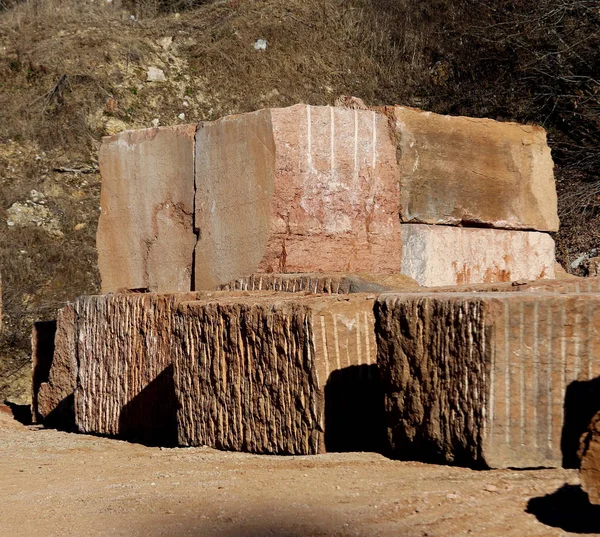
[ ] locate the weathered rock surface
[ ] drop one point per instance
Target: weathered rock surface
(504, 380)
(299, 189)
(465, 171)
(55, 370)
(278, 374)
(145, 233)
(322, 283)
(447, 255)
(125, 376)
(590, 461)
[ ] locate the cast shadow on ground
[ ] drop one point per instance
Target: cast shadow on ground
(568, 509)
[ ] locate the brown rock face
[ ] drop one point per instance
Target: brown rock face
(322, 283)
(299, 189)
(503, 380)
(465, 171)
(590, 461)
(273, 374)
(145, 233)
(446, 255)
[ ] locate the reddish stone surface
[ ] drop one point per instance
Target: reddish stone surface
(299, 189)
(466, 171)
(590, 461)
(145, 233)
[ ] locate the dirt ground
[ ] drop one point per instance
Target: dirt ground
(55, 483)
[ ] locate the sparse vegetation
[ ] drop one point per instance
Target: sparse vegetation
(74, 71)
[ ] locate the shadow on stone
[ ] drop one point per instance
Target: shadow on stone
(151, 416)
(354, 410)
(582, 401)
(568, 509)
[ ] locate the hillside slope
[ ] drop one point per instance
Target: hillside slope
(75, 71)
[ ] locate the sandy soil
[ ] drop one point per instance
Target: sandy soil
(55, 483)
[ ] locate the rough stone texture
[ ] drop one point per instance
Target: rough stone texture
(53, 400)
(465, 171)
(590, 461)
(145, 233)
(447, 255)
(504, 380)
(322, 283)
(278, 374)
(125, 378)
(299, 189)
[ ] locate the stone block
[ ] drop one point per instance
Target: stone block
(498, 380)
(590, 461)
(145, 233)
(55, 370)
(299, 189)
(447, 255)
(125, 377)
(468, 171)
(283, 374)
(322, 283)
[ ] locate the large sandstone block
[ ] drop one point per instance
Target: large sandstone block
(322, 283)
(145, 233)
(590, 461)
(299, 189)
(447, 255)
(278, 374)
(125, 377)
(55, 369)
(503, 380)
(465, 171)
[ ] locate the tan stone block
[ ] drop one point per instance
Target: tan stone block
(145, 233)
(447, 255)
(125, 378)
(465, 171)
(498, 379)
(322, 283)
(590, 461)
(278, 374)
(299, 189)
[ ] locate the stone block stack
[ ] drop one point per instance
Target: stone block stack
(312, 279)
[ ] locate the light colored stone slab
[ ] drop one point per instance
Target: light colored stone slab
(145, 233)
(448, 255)
(488, 379)
(278, 374)
(465, 171)
(299, 189)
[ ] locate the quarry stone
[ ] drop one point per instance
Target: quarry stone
(468, 171)
(145, 235)
(590, 461)
(448, 255)
(278, 374)
(498, 380)
(298, 189)
(322, 283)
